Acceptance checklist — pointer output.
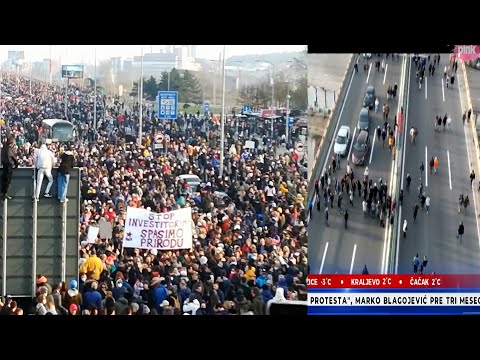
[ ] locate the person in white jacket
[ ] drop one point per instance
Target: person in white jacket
(44, 162)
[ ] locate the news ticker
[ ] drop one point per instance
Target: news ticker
(393, 294)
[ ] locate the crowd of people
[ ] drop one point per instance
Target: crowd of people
(249, 244)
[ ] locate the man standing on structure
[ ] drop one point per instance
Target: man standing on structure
(9, 161)
(44, 162)
(63, 176)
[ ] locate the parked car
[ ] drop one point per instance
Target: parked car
(193, 181)
(361, 148)
(369, 99)
(341, 141)
(474, 63)
(364, 119)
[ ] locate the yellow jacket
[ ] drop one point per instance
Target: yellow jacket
(93, 266)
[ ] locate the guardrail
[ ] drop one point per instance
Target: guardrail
(324, 146)
(391, 256)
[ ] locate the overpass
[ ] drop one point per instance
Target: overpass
(37, 237)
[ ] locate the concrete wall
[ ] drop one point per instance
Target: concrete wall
(19, 235)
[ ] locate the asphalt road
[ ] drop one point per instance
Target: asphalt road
(334, 249)
(434, 234)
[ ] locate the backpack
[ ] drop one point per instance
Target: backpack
(176, 302)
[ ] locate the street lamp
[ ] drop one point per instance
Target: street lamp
(222, 121)
(288, 112)
(95, 94)
(140, 129)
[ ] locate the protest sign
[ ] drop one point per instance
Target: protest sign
(146, 229)
(92, 234)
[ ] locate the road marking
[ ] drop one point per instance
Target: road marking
(397, 255)
(323, 258)
(339, 118)
(353, 258)
(425, 167)
(385, 76)
(351, 144)
(449, 172)
(373, 147)
(368, 76)
(443, 91)
(469, 162)
(426, 86)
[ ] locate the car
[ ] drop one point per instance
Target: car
(367, 56)
(364, 119)
(341, 141)
(193, 181)
(369, 99)
(361, 148)
(474, 63)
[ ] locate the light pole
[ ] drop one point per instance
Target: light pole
(140, 130)
(168, 86)
(50, 67)
(222, 121)
(30, 84)
(288, 112)
(95, 93)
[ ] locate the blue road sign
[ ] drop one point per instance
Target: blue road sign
(290, 121)
(246, 108)
(206, 107)
(167, 105)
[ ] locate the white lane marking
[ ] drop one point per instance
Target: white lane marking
(426, 86)
(323, 258)
(373, 147)
(403, 172)
(353, 258)
(469, 162)
(449, 172)
(351, 144)
(385, 76)
(339, 118)
(368, 76)
(443, 91)
(425, 167)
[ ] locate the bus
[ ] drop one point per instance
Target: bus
(57, 130)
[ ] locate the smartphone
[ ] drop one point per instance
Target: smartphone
(287, 308)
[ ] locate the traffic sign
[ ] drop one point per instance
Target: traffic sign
(299, 146)
(206, 107)
(158, 138)
(167, 105)
(290, 121)
(246, 108)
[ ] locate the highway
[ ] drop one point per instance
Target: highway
(334, 249)
(434, 234)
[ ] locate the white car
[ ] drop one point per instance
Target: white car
(341, 141)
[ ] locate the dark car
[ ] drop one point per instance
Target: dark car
(361, 148)
(369, 99)
(363, 119)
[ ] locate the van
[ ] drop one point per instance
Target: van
(363, 119)
(193, 181)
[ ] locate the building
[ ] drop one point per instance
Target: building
(155, 63)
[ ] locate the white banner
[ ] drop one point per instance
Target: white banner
(393, 299)
(163, 231)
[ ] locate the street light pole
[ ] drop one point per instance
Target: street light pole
(95, 94)
(140, 130)
(273, 99)
(222, 121)
(168, 86)
(288, 112)
(30, 85)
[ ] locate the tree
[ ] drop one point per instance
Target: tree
(150, 88)
(299, 96)
(190, 90)
(134, 91)
(255, 95)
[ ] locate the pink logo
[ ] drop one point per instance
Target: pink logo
(467, 52)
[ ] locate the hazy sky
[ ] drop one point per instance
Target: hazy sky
(75, 53)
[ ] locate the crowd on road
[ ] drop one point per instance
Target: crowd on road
(249, 242)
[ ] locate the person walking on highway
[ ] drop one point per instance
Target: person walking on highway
(464, 116)
(345, 216)
(404, 228)
(422, 201)
(412, 135)
(452, 80)
(420, 189)
(460, 203)
(415, 213)
(430, 165)
(435, 164)
(427, 203)
(422, 168)
(466, 202)
(472, 177)
(400, 197)
(445, 72)
(445, 117)
(386, 111)
(351, 198)
(384, 135)
(339, 202)
(469, 113)
(44, 162)
(433, 69)
(356, 67)
(460, 231)
(377, 104)
(365, 270)
(408, 180)
(447, 80)
(449, 123)
(416, 263)
(326, 216)
(395, 88)
(379, 132)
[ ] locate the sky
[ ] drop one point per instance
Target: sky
(76, 53)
